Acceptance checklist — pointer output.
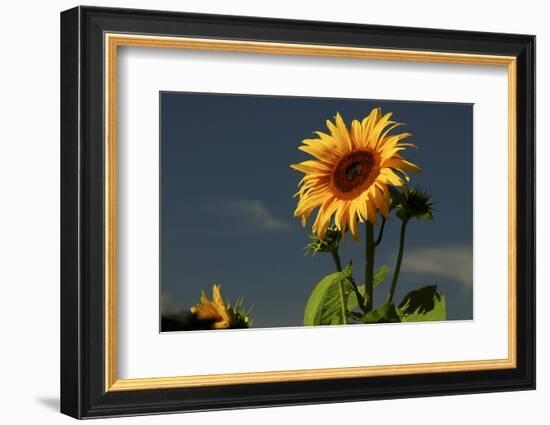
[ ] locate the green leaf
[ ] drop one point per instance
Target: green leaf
(323, 306)
(423, 305)
(387, 313)
(379, 277)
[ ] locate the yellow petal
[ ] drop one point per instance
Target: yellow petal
(401, 164)
(383, 138)
(362, 205)
(311, 167)
(386, 153)
(389, 176)
(331, 144)
(339, 216)
(371, 211)
(370, 121)
(318, 152)
(375, 132)
(356, 133)
(352, 217)
(343, 132)
(217, 296)
(379, 201)
(322, 219)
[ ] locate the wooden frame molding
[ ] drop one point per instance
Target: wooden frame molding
(91, 39)
(113, 41)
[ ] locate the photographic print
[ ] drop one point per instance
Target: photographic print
(285, 211)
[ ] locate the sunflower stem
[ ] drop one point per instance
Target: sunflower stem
(336, 258)
(360, 299)
(369, 266)
(399, 260)
(381, 232)
(343, 303)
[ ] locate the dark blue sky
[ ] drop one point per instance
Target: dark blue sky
(227, 206)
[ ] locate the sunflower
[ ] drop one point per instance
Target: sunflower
(349, 178)
(215, 310)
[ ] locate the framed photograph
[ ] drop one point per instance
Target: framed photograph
(261, 212)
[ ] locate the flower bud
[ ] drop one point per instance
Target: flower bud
(329, 243)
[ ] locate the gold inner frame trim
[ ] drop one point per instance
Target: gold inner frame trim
(113, 41)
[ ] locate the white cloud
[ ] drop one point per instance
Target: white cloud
(255, 215)
(452, 262)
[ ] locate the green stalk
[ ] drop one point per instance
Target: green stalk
(336, 258)
(399, 260)
(343, 304)
(369, 266)
(381, 233)
(360, 299)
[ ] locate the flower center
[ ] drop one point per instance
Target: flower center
(354, 173)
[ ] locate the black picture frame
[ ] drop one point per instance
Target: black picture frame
(83, 392)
